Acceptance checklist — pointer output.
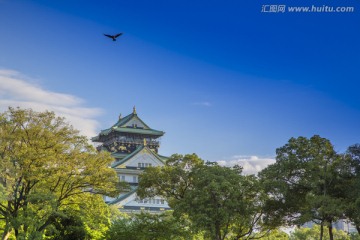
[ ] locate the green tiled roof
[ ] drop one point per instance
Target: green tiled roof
(119, 155)
(138, 130)
(120, 126)
(138, 149)
(123, 121)
(117, 163)
(163, 158)
(123, 196)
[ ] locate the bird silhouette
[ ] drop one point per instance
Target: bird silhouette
(113, 37)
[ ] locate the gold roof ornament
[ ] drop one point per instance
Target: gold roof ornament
(134, 110)
(144, 141)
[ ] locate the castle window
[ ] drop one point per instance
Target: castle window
(134, 179)
(122, 178)
(142, 165)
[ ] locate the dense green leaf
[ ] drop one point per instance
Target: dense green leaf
(46, 169)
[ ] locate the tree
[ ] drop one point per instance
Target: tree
(90, 219)
(314, 233)
(224, 203)
(46, 168)
(218, 200)
(170, 181)
(305, 184)
(67, 227)
(352, 156)
(150, 227)
(276, 234)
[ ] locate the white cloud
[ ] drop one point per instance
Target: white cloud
(250, 164)
(17, 90)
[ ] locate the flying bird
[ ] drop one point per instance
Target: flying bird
(113, 37)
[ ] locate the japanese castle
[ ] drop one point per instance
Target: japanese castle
(134, 146)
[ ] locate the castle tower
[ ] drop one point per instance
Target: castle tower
(134, 146)
(126, 135)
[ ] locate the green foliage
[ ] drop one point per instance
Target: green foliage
(314, 234)
(170, 181)
(306, 183)
(276, 235)
(46, 170)
(146, 226)
(354, 236)
(218, 201)
(115, 213)
(353, 186)
(222, 202)
(67, 227)
(95, 214)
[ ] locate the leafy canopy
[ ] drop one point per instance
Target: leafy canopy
(218, 201)
(306, 183)
(46, 167)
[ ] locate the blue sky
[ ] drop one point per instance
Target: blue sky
(221, 78)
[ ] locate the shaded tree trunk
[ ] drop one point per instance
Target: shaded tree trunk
(16, 230)
(331, 231)
(218, 232)
(6, 233)
(358, 229)
(321, 230)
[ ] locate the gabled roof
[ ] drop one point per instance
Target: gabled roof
(118, 155)
(123, 121)
(164, 158)
(133, 154)
(126, 195)
(122, 125)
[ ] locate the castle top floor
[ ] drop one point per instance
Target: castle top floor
(128, 133)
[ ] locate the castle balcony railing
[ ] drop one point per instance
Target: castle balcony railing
(138, 141)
